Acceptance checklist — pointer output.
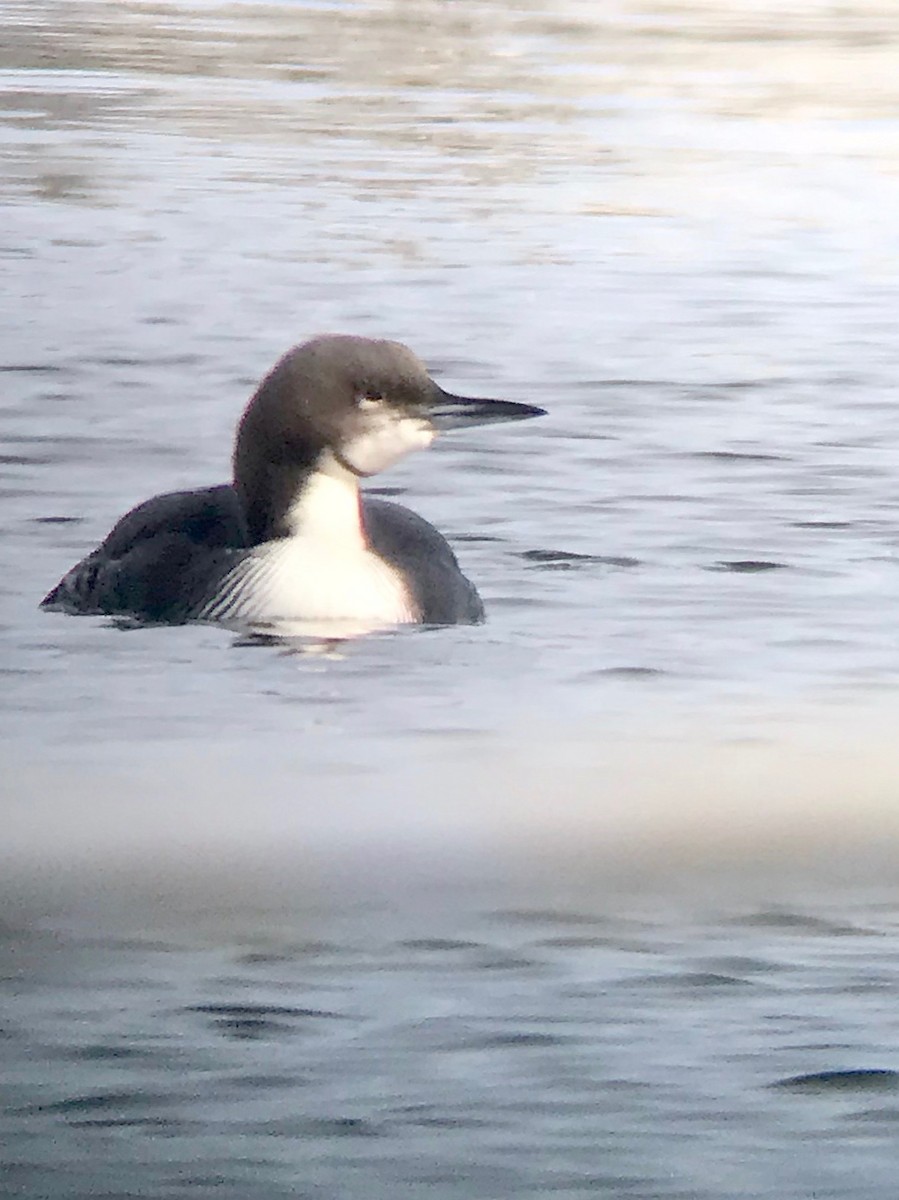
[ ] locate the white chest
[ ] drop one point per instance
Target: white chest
(299, 580)
(322, 576)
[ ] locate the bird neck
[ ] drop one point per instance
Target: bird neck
(319, 502)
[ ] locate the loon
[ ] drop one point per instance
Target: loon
(292, 539)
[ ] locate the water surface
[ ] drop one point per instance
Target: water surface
(597, 898)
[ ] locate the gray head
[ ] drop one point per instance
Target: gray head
(361, 402)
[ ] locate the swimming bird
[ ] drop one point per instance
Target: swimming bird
(292, 539)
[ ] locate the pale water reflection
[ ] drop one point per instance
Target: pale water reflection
(548, 905)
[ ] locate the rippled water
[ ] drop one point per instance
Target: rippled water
(521, 1052)
(598, 898)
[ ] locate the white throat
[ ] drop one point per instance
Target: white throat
(326, 510)
(386, 435)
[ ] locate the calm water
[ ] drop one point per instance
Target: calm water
(599, 898)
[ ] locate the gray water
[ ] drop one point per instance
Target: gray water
(599, 898)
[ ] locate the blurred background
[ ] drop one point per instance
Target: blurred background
(598, 898)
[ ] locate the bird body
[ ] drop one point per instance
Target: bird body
(293, 539)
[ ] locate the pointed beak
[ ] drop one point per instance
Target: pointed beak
(458, 412)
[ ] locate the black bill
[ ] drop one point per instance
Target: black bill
(458, 412)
